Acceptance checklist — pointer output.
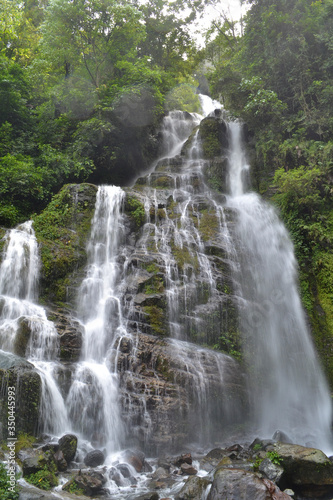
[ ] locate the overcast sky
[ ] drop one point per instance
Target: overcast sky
(232, 8)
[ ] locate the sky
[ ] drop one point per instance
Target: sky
(232, 8)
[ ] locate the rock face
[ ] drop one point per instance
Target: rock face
(18, 373)
(175, 292)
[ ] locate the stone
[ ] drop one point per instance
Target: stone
(94, 458)
(188, 469)
(212, 459)
(68, 445)
(272, 471)
(136, 459)
(60, 461)
(194, 489)
(90, 483)
(282, 437)
(234, 484)
(304, 466)
(183, 459)
(27, 382)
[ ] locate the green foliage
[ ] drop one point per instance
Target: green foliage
(5, 494)
(74, 488)
(43, 479)
(183, 97)
(136, 210)
(274, 457)
(24, 441)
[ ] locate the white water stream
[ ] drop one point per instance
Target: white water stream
(287, 386)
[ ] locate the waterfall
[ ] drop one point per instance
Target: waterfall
(288, 389)
(93, 397)
(19, 274)
(157, 307)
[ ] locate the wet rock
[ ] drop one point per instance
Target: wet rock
(261, 444)
(94, 458)
(212, 459)
(188, 469)
(60, 461)
(90, 483)
(282, 437)
(272, 471)
(160, 473)
(18, 373)
(152, 495)
(124, 470)
(22, 336)
(305, 466)
(195, 488)
(31, 464)
(71, 343)
(136, 459)
(183, 459)
(68, 446)
(234, 484)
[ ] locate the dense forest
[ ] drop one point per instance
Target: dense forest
(84, 86)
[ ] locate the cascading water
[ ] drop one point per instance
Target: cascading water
(19, 273)
(287, 386)
(93, 396)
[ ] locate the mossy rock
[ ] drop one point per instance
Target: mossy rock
(68, 446)
(28, 387)
(216, 174)
(213, 134)
(157, 319)
(22, 337)
(135, 209)
(62, 230)
(208, 225)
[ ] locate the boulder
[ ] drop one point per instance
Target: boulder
(188, 469)
(136, 459)
(90, 483)
(304, 466)
(60, 461)
(234, 484)
(18, 373)
(183, 459)
(94, 458)
(195, 488)
(272, 471)
(68, 445)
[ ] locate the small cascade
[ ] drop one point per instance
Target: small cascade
(24, 327)
(93, 396)
(288, 389)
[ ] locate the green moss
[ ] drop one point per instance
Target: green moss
(163, 182)
(24, 440)
(156, 318)
(154, 285)
(162, 366)
(209, 225)
(62, 230)
(212, 137)
(135, 209)
(184, 257)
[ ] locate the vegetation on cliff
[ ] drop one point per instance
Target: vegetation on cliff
(277, 77)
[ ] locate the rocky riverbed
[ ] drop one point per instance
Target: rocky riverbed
(264, 469)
